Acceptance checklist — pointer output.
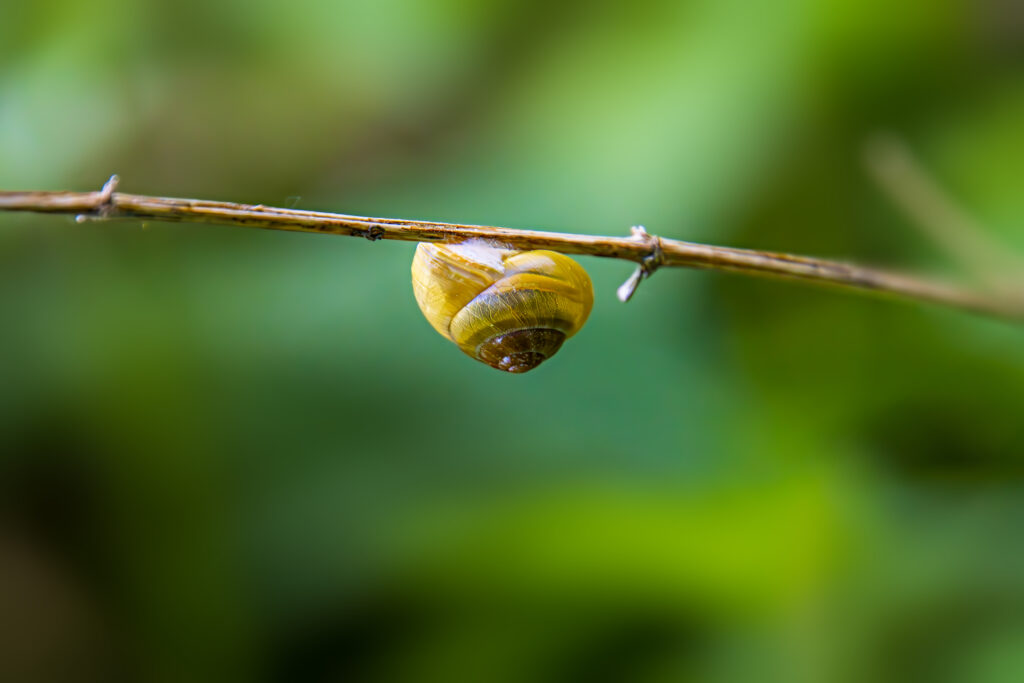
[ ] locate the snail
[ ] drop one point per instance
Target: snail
(509, 309)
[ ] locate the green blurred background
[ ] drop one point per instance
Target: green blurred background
(237, 454)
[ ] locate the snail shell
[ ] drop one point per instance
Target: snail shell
(509, 309)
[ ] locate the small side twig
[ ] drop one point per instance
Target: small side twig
(649, 251)
(105, 207)
(648, 265)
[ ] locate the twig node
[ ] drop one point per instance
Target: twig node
(105, 207)
(650, 263)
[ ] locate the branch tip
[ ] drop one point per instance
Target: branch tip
(107, 193)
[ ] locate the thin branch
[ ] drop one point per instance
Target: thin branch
(648, 251)
(938, 216)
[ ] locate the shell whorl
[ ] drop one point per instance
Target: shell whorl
(511, 310)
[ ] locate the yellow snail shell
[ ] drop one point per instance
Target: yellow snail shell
(509, 309)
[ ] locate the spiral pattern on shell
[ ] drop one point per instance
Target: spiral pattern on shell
(509, 309)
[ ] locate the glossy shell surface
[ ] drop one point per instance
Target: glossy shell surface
(509, 309)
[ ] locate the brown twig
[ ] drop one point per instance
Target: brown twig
(648, 251)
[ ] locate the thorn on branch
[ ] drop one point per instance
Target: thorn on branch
(105, 207)
(650, 263)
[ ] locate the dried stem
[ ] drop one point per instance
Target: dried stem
(639, 248)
